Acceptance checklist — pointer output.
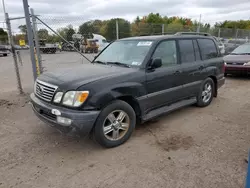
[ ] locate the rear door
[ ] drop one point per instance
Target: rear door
(211, 57)
(163, 85)
(191, 65)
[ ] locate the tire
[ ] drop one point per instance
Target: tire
(225, 74)
(5, 55)
(117, 133)
(206, 95)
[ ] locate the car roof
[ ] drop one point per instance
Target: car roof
(162, 37)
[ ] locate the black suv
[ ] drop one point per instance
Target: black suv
(132, 80)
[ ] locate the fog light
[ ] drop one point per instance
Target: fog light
(64, 121)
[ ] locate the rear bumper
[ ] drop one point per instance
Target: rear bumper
(82, 121)
(237, 69)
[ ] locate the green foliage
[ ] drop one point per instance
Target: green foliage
(43, 34)
(23, 29)
(240, 24)
(151, 24)
(3, 36)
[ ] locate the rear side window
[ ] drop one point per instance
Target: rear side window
(187, 51)
(208, 48)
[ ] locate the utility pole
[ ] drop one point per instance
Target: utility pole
(35, 67)
(38, 55)
(13, 50)
(117, 29)
(199, 26)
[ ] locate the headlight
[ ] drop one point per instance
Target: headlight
(247, 64)
(75, 98)
(225, 63)
(58, 97)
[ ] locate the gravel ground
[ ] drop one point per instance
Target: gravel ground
(192, 147)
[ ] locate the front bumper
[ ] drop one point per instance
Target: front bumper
(237, 69)
(82, 121)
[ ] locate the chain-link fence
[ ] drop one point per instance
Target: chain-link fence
(71, 41)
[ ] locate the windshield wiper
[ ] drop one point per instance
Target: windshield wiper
(119, 64)
(240, 53)
(100, 62)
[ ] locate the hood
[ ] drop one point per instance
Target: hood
(72, 78)
(237, 59)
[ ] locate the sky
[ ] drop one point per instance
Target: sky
(55, 12)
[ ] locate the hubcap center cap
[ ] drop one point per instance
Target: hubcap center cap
(116, 125)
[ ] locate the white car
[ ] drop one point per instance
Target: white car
(4, 50)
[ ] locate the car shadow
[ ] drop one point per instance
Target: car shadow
(238, 77)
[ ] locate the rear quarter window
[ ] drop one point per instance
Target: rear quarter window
(208, 48)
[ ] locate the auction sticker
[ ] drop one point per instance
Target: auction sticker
(136, 63)
(144, 43)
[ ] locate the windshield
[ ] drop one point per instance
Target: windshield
(243, 49)
(129, 52)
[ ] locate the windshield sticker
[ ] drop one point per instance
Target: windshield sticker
(144, 43)
(136, 63)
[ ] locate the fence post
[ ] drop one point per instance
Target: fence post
(117, 29)
(219, 33)
(236, 34)
(39, 59)
(19, 84)
(162, 29)
(35, 68)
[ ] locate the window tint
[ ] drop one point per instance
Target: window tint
(187, 51)
(166, 51)
(208, 48)
(196, 50)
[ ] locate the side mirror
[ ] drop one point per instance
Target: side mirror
(156, 63)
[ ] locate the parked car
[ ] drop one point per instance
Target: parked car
(232, 44)
(133, 80)
(238, 61)
(4, 50)
(89, 46)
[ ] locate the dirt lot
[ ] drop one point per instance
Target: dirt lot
(192, 147)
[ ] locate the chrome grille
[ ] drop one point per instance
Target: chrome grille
(235, 63)
(44, 90)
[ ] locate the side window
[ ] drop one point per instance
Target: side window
(196, 50)
(187, 51)
(208, 48)
(167, 52)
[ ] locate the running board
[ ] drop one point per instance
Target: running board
(167, 109)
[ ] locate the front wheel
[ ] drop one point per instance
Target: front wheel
(115, 124)
(206, 93)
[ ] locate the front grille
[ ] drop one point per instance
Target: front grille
(235, 63)
(44, 90)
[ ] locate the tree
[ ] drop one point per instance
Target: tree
(23, 29)
(69, 33)
(124, 29)
(3, 36)
(43, 34)
(175, 27)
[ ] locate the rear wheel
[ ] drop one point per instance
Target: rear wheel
(5, 55)
(115, 124)
(206, 93)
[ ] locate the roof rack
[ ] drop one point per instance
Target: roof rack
(193, 33)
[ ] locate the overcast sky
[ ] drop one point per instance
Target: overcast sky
(81, 10)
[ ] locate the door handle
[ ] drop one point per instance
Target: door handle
(177, 72)
(201, 67)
